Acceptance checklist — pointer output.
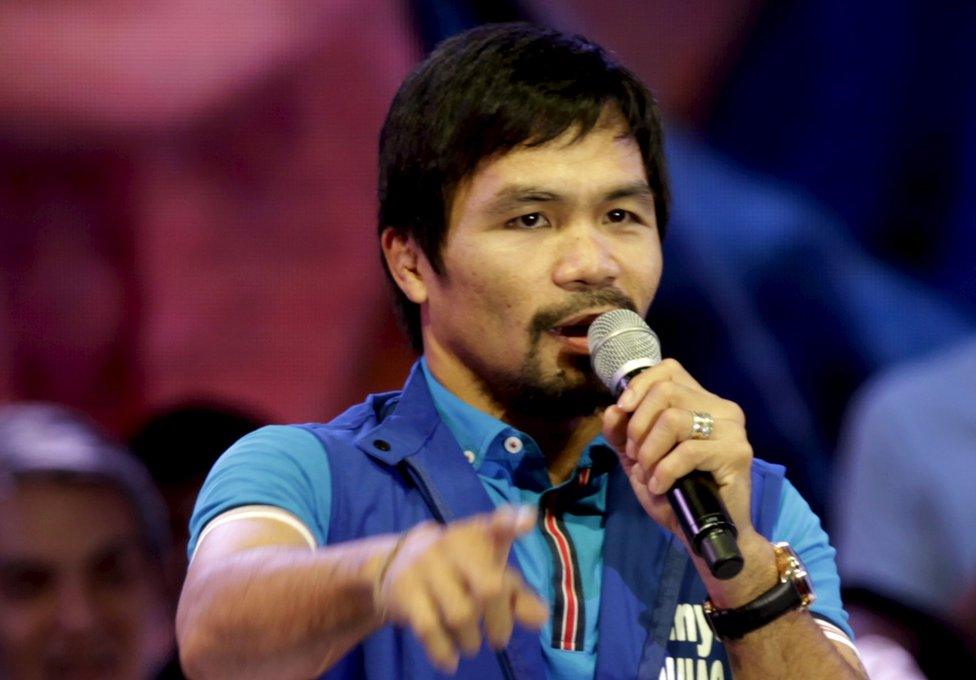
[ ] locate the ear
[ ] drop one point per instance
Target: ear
(405, 261)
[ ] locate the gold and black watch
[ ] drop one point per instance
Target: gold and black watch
(793, 591)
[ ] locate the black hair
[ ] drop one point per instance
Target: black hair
(482, 93)
(180, 444)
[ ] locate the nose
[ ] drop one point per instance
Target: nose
(77, 609)
(586, 258)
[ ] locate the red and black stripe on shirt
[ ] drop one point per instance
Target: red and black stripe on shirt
(569, 609)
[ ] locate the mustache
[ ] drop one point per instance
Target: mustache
(546, 318)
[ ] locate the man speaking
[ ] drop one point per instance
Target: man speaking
(504, 515)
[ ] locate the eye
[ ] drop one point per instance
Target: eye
(118, 568)
(23, 584)
(621, 216)
(528, 221)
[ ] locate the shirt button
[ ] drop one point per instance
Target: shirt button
(470, 456)
(513, 445)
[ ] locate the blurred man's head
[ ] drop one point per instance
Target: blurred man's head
(81, 546)
(178, 446)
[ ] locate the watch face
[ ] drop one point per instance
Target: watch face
(803, 586)
(791, 569)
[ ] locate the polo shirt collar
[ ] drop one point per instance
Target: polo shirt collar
(483, 437)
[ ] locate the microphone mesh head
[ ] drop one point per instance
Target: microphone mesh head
(617, 338)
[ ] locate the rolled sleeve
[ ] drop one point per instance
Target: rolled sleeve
(281, 466)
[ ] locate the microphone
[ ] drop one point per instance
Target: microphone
(621, 346)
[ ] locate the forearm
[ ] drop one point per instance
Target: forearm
(279, 612)
(792, 646)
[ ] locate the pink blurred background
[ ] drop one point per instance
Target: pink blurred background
(188, 192)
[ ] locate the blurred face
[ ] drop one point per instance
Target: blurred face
(76, 591)
(540, 241)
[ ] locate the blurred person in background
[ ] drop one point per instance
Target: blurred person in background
(178, 446)
(905, 501)
(83, 543)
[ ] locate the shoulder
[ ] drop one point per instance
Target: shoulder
(274, 439)
(279, 466)
(290, 468)
(270, 450)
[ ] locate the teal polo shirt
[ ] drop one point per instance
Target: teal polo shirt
(562, 558)
(286, 467)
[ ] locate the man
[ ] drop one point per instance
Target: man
(522, 193)
(82, 546)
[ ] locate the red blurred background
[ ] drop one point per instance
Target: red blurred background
(188, 191)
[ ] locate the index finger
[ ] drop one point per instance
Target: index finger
(668, 370)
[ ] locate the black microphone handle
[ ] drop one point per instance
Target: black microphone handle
(703, 517)
(706, 523)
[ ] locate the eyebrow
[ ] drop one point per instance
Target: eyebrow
(118, 548)
(515, 196)
(638, 190)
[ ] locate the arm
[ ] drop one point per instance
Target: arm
(258, 603)
(650, 427)
(792, 646)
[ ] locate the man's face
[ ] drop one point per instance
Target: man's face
(540, 241)
(76, 589)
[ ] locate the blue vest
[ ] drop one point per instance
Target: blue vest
(395, 464)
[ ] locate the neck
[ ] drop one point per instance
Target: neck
(561, 441)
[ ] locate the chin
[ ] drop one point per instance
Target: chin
(563, 395)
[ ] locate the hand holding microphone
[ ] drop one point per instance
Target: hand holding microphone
(675, 437)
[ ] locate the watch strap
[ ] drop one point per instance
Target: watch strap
(792, 591)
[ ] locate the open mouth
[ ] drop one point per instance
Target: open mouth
(575, 328)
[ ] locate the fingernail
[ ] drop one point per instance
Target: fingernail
(625, 399)
(637, 472)
(654, 485)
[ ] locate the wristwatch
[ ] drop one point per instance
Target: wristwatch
(793, 591)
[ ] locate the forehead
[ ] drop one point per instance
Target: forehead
(56, 521)
(577, 167)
